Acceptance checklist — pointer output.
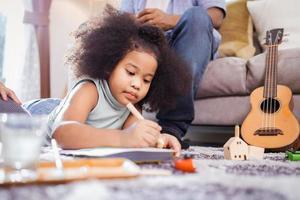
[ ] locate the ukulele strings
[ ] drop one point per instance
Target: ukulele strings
(271, 104)
(269, 118)
(274, 50)
(266, 94)
(273, 86)
(275, 82)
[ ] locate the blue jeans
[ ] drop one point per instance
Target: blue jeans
(192, 39)
(41, 106)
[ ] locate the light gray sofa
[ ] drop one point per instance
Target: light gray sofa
(223, 95)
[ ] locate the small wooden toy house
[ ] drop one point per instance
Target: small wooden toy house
(256, 153)
(235, 148)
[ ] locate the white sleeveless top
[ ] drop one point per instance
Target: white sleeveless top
(108, 113)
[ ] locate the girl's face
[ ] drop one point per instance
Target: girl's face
(131, 78)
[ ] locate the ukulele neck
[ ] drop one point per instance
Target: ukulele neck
(270, 89)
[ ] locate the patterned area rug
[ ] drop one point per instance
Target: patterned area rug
(272, 178)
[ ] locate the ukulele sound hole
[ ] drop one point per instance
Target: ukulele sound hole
(270, 105)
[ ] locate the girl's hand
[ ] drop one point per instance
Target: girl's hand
(171, 142)
(142, 133)
(6, 92)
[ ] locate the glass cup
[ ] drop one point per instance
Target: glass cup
(22, 137)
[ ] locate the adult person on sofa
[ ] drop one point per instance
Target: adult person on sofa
(191, 29)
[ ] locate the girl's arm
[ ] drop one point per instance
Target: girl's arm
(71, 131)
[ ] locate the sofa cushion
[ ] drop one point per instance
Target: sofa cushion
(269, 14)
(223, 77)
(221, 110)
(228, 110)
(288, 70)
(237, 31)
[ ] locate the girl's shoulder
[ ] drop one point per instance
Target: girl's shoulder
(85, 90)
(86, 86)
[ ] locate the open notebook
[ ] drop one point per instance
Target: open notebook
(138, 155)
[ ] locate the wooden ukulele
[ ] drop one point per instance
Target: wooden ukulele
(270, 122)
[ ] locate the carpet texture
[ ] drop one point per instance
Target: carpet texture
(272, 178)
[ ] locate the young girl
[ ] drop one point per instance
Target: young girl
(118, 61)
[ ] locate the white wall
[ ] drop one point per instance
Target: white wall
(65, 17)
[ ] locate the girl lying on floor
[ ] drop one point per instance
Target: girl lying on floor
(118, 61)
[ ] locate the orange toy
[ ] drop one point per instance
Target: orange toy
(185, 165)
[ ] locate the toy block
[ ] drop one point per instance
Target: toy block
(256, 153)
(293, 155)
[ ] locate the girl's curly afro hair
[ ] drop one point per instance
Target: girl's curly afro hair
(101, 43)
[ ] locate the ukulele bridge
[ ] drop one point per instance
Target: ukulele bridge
(268, 132)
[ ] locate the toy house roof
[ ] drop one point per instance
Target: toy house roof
(233, 141)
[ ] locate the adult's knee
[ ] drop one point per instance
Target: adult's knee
(197, 18)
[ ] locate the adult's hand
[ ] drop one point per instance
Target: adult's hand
(216, 15)
(6, 92)
(158, 18)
